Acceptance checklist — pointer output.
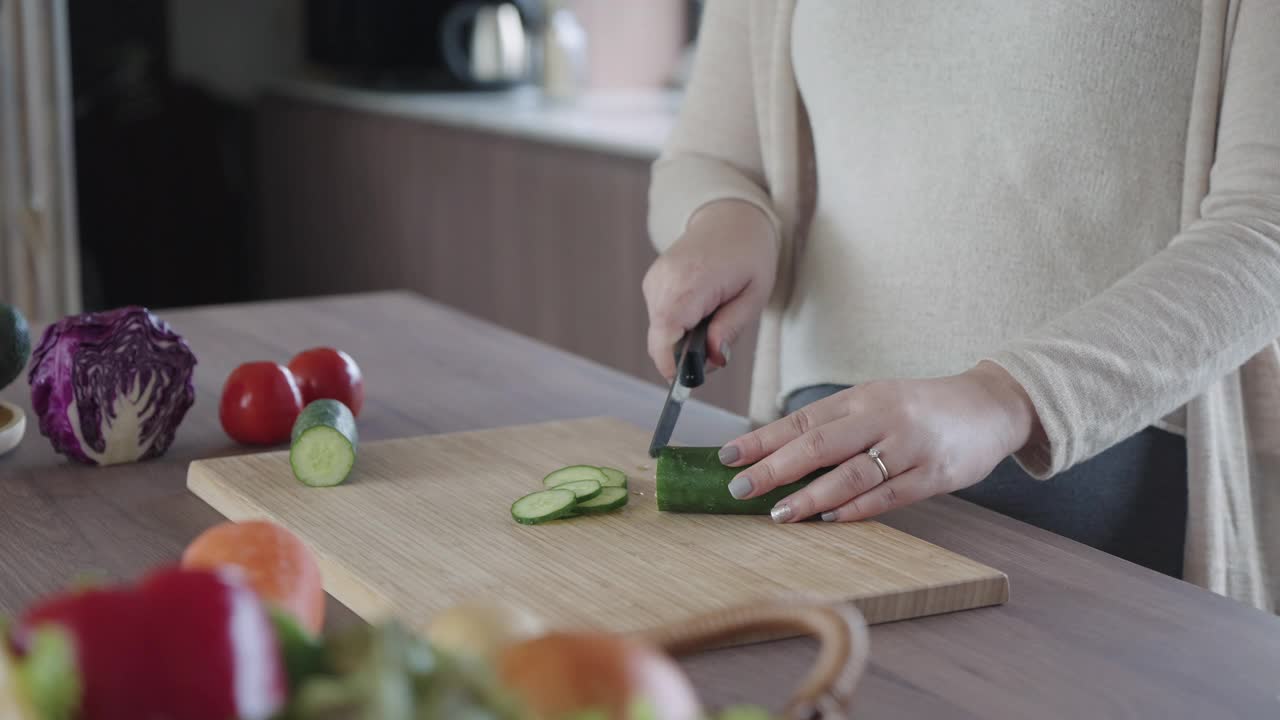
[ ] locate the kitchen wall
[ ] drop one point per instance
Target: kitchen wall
(633, 43)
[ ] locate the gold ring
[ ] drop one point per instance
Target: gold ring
(874, 454)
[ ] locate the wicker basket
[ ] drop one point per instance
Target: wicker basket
(843, 645)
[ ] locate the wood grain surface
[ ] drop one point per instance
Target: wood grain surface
(424, 523)
(1084, 635)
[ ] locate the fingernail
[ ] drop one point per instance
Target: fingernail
(728, 454)
(829, 516)
(740, 487)
(724, 350)
(780, 513)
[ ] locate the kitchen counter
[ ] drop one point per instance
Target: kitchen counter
(1084, 635)
(631, 124)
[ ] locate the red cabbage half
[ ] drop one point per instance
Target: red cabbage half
(111, 387)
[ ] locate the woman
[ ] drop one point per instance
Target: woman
(1026, 253)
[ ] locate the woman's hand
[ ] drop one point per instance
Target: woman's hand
(726, 262)
(934, 436)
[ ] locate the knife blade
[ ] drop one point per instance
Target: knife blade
(691, 361)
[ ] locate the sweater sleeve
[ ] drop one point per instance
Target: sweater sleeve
(1193, 312)
(714, 151)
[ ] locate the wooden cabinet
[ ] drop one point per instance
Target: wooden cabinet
(544, 239)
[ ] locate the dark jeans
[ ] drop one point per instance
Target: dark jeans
(1130, 500)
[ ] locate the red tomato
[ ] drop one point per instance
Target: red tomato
(260, 402)
(327, 373)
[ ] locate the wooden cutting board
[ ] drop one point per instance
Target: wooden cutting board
(424, 523)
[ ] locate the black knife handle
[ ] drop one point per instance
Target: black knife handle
(691, 355)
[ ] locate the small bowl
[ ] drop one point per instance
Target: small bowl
(13, 424)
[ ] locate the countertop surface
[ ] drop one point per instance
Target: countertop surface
(628, 123)
(1084, 635)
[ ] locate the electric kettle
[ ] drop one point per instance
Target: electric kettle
(485, 44)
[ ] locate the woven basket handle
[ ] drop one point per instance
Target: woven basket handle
(827, 690)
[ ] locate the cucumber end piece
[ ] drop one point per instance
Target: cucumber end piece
(322, 457)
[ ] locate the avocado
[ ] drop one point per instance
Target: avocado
(15, 344)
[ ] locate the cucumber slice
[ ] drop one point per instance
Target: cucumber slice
(581, 489)
(609, 499)
(574, 473)
(613, 477)
(543, 506)
(323, 449)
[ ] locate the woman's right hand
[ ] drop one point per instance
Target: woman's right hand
(726, 262)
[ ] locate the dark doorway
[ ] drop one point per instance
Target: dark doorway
(163, 168)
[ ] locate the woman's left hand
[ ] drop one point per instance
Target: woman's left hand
(934, 436)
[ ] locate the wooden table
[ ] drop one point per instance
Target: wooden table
(1084, 636)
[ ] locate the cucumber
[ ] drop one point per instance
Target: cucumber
(613, 477)
(609, 499)
(543, 506)
(573, 473)
(692, 480)
(581, 489)
(323, 448)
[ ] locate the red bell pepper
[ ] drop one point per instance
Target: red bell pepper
(182, 645)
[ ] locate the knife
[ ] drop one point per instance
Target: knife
(691, 361)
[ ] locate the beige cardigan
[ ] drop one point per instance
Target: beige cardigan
(1189, 335)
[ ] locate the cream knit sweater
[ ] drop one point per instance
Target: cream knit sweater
(1189, 332)
(975, 178)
